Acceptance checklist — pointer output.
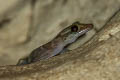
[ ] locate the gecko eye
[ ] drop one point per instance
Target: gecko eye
(74, 28)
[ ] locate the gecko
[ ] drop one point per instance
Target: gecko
(59, 44)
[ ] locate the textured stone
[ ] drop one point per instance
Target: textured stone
(97, 59)
(27, 24)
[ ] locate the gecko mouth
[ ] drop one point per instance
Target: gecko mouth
(84, 31)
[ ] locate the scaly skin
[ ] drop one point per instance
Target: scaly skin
(58, 44)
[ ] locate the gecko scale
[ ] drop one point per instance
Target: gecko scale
(67, 36)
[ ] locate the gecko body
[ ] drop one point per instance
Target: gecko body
(58, 44)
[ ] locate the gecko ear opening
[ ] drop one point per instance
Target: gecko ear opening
(74, 28)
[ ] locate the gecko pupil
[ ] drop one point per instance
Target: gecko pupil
(74, 28)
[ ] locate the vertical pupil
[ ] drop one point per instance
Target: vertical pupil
(74, 28)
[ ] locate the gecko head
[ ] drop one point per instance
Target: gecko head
(79, 27)
(71, 33)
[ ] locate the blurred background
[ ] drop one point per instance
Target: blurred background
(27, 24)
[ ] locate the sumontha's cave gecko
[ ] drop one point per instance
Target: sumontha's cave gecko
(67, 36)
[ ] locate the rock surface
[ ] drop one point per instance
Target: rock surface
(27, 24)
(98, 59)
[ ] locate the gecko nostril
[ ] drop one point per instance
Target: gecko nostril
(90, 25)
(74, 28)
